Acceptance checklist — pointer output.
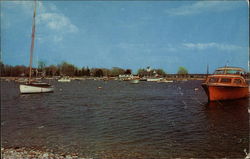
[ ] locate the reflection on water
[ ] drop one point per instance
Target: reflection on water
(114, 119)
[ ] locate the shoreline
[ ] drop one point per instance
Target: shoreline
(28, 153)
(101, 78)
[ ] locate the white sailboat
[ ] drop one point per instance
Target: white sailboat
(34, 87)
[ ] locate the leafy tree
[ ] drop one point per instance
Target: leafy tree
(142, 72)
(98, 73)
(182, 71)
(2, 70)
(106, 72)
(87, 73)
(51, 70)
(128, 72)
(67, 69)
(160, 72)
(19, 71)
(41, 65)
(116, 71)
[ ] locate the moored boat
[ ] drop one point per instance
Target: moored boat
(165, 81)
(135, 81)
(227, 83)
(154, 79)
(36, 87)
(64, 79)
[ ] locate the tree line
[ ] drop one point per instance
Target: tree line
(67, 69)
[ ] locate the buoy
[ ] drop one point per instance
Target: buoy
(196, 89)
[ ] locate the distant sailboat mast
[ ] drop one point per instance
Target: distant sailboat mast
(32, 41)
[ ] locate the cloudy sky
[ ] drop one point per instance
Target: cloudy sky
(128, 34)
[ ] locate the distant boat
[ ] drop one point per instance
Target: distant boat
(135, 81)
(165, 81)
(31, 86)
(21, 80)
(143, 79)
(154, 79)
(64, 79)
(226, 83)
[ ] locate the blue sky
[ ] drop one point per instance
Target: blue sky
(128, 34)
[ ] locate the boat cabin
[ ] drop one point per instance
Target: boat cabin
(228, 76)
(229, 71)
(226, 80)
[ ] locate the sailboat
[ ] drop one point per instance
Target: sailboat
(32, 86)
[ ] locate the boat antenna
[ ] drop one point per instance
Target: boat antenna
(32, 41)
(207, 69)
(227, 63)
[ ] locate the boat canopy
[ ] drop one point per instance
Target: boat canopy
(230, 70)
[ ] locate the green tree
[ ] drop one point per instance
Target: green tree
(182, 70)
(160, 72)
(41, 65)
(98, 73)
(87, 72)
(51, 70)
(106, 72)
(2, 69)
(142, 72)
(67, 69)
(116, 71)
(19, 71)
(128, 72)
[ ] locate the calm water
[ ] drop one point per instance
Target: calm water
(123, 120)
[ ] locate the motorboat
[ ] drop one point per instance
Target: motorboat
(227, 83)
(64, 79)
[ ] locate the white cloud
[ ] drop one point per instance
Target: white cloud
(51, 23)
(56, 22)
(202, 6)
(203, 46)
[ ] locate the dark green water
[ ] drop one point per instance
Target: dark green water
(123, 120)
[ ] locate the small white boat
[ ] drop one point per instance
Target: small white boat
(135, 81)
(165, 81)
(36, 88)
(21, 80)
(154, 79)
(64, 80)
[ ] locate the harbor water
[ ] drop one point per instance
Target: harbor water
(117, 119)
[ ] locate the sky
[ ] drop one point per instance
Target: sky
(128, 34)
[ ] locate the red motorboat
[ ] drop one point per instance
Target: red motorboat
(227, 83)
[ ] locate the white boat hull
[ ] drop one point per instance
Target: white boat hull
(134, 81)
(35, 89)
(166, 81)
(154, 79)
(64, 80)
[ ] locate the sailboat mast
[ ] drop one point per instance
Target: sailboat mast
(32, 41)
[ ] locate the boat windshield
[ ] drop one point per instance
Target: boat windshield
(229, 71)
(219, 72)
